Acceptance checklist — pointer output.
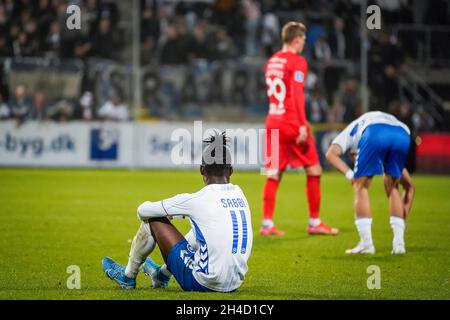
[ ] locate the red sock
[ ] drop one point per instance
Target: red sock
(270, 190)
(313, 195)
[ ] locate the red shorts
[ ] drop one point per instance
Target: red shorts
(289, 153)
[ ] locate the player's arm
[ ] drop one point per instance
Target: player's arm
(409, 191)
(337, 148)
(298, 97)
(176, 206)
(333, 155)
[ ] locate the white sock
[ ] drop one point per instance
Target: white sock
(267, 223)
(398, 227)
(165, 271)
(143, 244)
(314, 222)
(364, 226)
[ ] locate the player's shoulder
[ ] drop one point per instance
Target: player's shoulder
(300, 61)
(277, 57)
(297, 64)
(186, 197)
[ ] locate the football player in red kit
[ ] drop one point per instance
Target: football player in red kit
(285, 75)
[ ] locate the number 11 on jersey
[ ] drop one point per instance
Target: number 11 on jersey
(236, 232)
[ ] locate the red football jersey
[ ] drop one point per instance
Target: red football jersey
(285, 74)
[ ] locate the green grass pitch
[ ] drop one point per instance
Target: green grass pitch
(51, 219)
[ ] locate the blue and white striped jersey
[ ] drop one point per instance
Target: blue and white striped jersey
(349, 137)
(221, 222)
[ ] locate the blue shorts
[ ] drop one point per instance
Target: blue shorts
(382, 148)
(180, 263)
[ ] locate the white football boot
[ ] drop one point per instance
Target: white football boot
(398, 248)
(360, 249)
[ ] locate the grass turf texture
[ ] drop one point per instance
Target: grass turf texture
(50, 219)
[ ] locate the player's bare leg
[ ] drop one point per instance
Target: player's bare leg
(315, 225)
(268, 227)
(363, 217)
(158, 230)
(397, 210)
(165, 235)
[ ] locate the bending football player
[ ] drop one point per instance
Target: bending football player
(213, 255)
(380, 143)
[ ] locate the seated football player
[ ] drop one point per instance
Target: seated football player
(213, 255)
(380, 143)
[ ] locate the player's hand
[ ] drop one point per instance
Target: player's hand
(303, 135)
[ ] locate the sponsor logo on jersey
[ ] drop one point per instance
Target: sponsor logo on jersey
(299, 76)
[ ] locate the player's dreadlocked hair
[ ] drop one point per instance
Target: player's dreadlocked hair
(216, 157)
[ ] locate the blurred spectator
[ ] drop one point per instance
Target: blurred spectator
(4, 109)
(106, 42)
(316, 107)
(25, 45)
(61, 111)
(314, 32)
(20, 105)
(385, 59)
(197, 44)
(171, 52)
(114, 110)
(52, 43)
(223, 47)
(39, 112)
(86, 103)
(45, 14)
(422, 120)
(3, 19)
(336, 112)
(404, 113)
(252, 15)
(390, 87)
(322, 51)
(109, 9)
(312, 79)
(349, 98)
(82, 48)
(148, 51)
(270, 33)
(150, 25)
(336, 39)
(5, 48)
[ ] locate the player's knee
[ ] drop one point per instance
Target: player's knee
(359, 185)
(273, 175)
(141, 210)
(390, 183)
(315, 170)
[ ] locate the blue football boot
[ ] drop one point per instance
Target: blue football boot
(152, 269)
(116, 272)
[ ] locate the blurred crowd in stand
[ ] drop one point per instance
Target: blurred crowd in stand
(178, 33)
